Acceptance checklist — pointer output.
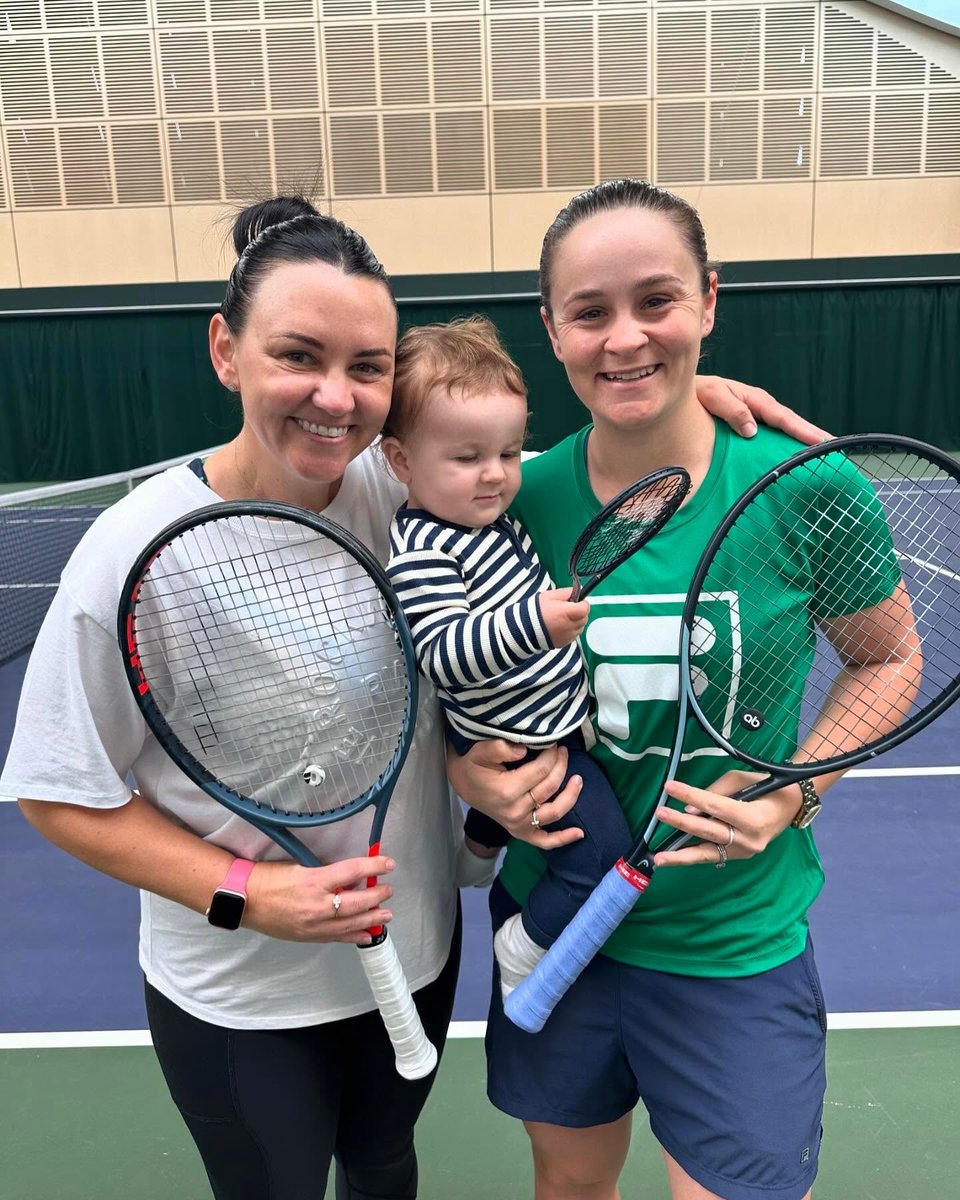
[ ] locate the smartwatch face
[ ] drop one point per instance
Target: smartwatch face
(226, 910)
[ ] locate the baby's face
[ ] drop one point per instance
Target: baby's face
(463, 455)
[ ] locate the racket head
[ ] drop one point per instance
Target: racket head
(624, 524)
(271, 659)
(823, 543)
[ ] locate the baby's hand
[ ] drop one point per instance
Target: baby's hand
(564, 620)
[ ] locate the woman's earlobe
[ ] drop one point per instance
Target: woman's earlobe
(222, 353)
(710, 315)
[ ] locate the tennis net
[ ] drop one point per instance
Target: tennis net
(39, 529)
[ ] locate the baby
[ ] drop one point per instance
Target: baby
(489, 628)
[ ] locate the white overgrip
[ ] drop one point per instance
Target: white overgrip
(416, 1054)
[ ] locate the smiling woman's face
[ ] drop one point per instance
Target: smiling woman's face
(314, 367)
(628, 316)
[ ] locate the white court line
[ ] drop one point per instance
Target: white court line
(467, 1029)
(81, 1039)
(930, 1019)
(879, 772)
(93, 1039)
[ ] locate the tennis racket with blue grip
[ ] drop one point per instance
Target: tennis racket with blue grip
(820, 629)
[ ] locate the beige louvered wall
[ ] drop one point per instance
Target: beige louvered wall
(450, 131)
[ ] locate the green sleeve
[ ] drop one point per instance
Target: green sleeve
(855, 566)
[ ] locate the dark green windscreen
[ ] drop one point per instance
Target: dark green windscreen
(90, 394)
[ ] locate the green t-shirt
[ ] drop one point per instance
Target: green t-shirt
(752, 916)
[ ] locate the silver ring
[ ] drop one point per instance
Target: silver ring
(722, 851)
(535, 820)
(336, 904)
(732, 835)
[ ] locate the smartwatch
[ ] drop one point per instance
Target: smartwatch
(810, 807)
(230, 898)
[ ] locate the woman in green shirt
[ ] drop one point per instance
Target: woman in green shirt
(705, 1004)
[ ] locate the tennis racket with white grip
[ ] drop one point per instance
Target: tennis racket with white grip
(270, 658)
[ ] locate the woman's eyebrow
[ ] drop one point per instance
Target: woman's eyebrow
(655, 280)
(645, 281)
(372, 352)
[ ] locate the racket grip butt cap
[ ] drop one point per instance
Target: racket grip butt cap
(421, 1065)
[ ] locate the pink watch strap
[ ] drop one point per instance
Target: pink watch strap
(236, 878)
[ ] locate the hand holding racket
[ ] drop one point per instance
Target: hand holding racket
(820, 629)
(269, 657)
(336, 902)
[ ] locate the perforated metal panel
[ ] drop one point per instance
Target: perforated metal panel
(518, 148)
(681, 133)
(133, 102)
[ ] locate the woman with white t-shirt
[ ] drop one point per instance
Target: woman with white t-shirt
(267, 1033)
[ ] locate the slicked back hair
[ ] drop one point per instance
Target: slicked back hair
(623, 193)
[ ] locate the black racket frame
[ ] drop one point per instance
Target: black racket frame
(851, 443)
(611, 507)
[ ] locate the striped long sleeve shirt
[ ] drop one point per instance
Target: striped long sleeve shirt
(470, 596)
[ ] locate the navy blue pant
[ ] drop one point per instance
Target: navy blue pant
(572, 871)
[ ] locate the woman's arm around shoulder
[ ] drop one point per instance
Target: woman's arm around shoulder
(741, 406)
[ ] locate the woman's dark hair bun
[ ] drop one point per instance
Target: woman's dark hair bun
(288, 229)
(252, 221)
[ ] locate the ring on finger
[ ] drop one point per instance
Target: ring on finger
(534, 819)
(733, 834)
(722, 852)
(336, 904)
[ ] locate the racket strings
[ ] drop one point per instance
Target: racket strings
(627, 526)
(273, 659)
(213, 617)
(826, 619)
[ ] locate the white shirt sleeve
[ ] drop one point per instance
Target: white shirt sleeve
(78, 729)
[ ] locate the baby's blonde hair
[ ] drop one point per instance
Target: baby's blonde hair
(465, 354)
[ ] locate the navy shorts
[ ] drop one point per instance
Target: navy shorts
(731, 1071)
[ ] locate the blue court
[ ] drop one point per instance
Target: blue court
(884, 929)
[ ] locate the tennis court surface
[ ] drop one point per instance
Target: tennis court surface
(84, 1110)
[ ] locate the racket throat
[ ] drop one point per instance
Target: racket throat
(637, 874)
(377, 932)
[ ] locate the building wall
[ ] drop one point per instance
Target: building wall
(450, 131)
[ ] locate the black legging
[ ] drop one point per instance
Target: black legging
(268, 1109)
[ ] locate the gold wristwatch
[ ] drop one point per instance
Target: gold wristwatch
(810, 807)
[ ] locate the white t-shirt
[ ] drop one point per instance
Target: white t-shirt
(79, 738)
